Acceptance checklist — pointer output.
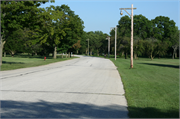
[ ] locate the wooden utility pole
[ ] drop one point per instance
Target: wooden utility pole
(115, 28)
(88, 46)
(131, 63)
(108, 38)
(115, 40)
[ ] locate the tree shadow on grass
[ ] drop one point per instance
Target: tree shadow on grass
(150, 112)
(5, 62)
(44, 109)
(162, 65)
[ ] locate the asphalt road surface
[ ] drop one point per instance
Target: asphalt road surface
(85, 87)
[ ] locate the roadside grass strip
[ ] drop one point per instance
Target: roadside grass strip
(24, 61)
(151, 87)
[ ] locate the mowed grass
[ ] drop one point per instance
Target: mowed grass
(151, 87)
(24, 61)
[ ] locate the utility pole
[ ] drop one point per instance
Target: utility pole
(115, 40)
(108, 38)
(131, 63)
(115, 28)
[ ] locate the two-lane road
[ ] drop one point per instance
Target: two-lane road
(86, 87)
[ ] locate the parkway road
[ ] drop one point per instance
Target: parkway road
(85, 87)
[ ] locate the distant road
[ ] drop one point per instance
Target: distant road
(85, 87)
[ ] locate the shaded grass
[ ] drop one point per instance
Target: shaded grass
(24, 61)
(151, 87)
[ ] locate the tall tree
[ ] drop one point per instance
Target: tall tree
(138, 46)
(142, 26)
(175, 42)
(151, 45)
(17, 15)
(75, 28)
(53, 31)
(163, 27)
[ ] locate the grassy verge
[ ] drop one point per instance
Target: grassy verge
(23, 61)
(151, 87)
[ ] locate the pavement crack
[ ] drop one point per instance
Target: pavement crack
(63, 92)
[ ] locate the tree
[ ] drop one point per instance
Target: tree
(138, 46)
(124, 26)
(83, 48)
(14, 43)
(163, 27)
(175, 42)
(53, 31)
(142, 26)
(77, 45)
(17, 15)
(73, 28)
(151, 45)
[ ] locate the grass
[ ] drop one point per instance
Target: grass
(151, 87)
(23, 61)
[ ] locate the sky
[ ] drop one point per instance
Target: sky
(102, 15)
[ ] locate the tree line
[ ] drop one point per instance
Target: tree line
(57, 29)
(27, 28)
(156, 37)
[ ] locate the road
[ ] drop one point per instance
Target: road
(85, 87)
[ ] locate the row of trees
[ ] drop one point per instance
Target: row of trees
(28, 28)
(154, 37)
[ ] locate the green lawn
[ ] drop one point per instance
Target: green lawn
(151, 87)
(23, 61)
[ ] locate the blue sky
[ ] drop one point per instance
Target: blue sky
(101, 15)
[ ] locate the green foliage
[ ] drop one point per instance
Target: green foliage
(163, 28)
(142, 26)
(138, 46)
(97, 42)
(151, 45)
(144, 31)
(14, 43)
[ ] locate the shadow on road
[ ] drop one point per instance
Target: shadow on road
(44, 109)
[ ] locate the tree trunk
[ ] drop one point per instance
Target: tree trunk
(122, 53)
(62, 55)
(176, 54)
(151, 57)
(66, 54)
(54, 52)
(77, 51)
(35, 53)
(126, 55)
(4, 54)
(12, 53)
(91, 53)
(173, 55)
(86, 52)
(1, 49)
(135, 56)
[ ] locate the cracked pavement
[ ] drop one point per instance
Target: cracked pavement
(85, 87)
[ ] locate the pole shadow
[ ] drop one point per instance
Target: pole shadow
(162, 65)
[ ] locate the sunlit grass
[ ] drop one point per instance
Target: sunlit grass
(151, 87)
(23, 61)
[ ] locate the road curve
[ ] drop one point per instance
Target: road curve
(85, 87)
